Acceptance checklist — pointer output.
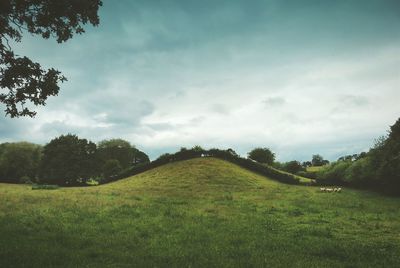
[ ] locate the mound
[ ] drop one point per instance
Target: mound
(203, 212)
(199, 175)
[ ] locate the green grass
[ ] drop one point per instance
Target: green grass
(203, 212)
(315, 169)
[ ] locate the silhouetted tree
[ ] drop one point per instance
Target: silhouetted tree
(262, 155)
(23, 81)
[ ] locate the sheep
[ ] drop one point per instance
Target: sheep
(330, 190)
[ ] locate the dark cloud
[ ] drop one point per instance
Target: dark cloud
(160, 73)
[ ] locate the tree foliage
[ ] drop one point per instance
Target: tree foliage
(262, 155)
(111, 168)
(68, 160)
(293, 167)
(379, 169)
(318, 160)
(24, 82)
(19, 162)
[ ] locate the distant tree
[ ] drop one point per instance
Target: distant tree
(307, 164)
(232, 152)
(111, 168)
(68, 160)
(262, 155)
(197, 148)
(317, 160)
(293, 167)
(118, 149)
(21, 79)
(19, 162)
(164, 157)
(140, 157)
(361, 155)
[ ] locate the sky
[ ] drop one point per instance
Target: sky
(299, 77)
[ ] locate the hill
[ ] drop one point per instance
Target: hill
(203, 212)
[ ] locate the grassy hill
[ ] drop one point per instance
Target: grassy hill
(203, 212)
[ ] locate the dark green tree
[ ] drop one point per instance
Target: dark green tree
(386, 158)
(68, 160)
(293, 167)
(22, 81)
(262, 155)
(139, 157)
(19, 161)
(111, 168)
(317, 160)
(118, 149)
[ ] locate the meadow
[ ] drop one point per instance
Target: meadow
(203, 212)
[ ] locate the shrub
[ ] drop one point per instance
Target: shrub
(44, 187)
(334, 174)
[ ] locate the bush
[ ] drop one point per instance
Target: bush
(44, 187)
(359, 173)
(334, 174)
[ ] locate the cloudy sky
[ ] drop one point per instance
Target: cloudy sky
(300, 77)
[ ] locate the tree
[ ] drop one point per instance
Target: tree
(19, 161)
(262, 155)
(111, 168)
(293, 166)
(318, 160)
(118, 149)
(140, 157)
(68, 160)
(23, 81)
(387, 160)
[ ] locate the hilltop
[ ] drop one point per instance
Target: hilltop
(203, 212)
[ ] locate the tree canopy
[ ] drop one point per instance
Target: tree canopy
(19, 162)
(68, 160)
(23, 82)
(262, 155)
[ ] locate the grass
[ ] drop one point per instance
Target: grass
(302, 180)
(315, 168)
(203, 212)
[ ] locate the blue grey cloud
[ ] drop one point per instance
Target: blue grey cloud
(301, 77)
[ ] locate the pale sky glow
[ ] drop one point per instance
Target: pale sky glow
(300, 77)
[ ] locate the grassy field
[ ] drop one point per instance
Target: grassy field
(315, 169)
(198, 213)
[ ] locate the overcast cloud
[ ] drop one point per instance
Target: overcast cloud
(300, 77)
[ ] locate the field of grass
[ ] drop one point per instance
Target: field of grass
(315, 169)
(202, 212)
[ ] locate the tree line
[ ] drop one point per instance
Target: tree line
(70, 160)
(67, 160)
(377, 169)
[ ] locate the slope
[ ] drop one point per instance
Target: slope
(203, 212)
